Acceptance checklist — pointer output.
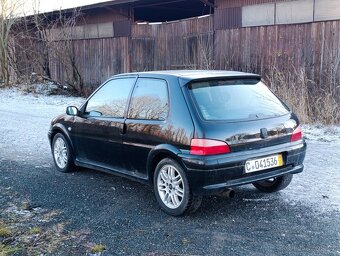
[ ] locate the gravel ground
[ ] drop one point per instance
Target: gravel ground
(78, 210)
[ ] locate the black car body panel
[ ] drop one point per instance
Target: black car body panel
(132, 147)
(214, 173)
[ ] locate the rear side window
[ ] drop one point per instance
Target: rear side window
(241, 99)
(111, 99)
(149, 100)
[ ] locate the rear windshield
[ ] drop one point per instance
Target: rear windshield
(239, 99)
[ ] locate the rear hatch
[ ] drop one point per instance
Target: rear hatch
(243, 112)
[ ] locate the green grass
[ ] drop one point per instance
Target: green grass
(6, 250)
(35, 230)
(4, 232)
(97, 248)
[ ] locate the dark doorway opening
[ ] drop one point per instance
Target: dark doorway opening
(170, 10)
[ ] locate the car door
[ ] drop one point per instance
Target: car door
(145, 123)
(97, 133)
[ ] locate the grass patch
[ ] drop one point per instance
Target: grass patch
(26, 236)
(97, 248)
(6, 250)
(22, 231)
(4, 231)
(35, 230)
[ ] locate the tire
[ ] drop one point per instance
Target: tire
(172, 190)
(275, 184)
(62, 153)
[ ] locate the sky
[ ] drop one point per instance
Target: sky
(47, 5)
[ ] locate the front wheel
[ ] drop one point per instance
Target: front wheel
(172, 189)
(274, 184)
(62, 154)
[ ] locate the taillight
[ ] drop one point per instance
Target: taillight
(296, 135)
(205, 147)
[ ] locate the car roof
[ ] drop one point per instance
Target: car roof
(192, 74)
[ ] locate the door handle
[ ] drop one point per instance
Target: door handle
(124, 129)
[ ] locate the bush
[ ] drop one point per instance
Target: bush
(312, 101)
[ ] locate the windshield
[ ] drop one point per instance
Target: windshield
(238, 99)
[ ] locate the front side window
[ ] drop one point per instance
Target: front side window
(111, 99)
(149, 100)
(235, 99)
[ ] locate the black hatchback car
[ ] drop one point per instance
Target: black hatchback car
(186, 133)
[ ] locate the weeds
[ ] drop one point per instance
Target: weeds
(35, 230)
(4, 231)
(8, 250)
(29, 230)
(292, 88)
(326, 108)
(97, 248)
(312, 102)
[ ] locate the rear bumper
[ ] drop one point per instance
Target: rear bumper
(211, 174)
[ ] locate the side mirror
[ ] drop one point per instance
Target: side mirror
(72, 111)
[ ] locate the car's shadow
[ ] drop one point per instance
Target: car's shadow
(245, 196)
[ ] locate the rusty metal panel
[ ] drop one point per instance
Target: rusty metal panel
(122, 28)
(228, 18)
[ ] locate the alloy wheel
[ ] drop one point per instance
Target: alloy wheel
(170, 186)
(60, 153)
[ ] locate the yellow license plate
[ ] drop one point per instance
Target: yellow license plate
(263, 163)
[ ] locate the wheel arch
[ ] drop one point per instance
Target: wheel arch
(59, 128)
(159, 153)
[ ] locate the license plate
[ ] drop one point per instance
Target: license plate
(263, 163)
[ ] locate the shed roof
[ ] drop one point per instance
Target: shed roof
(150, 10)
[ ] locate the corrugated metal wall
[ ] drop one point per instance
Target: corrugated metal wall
(196, 43)
(228, 18)
(96, 60)
(228, 14)
(193, 44)
(176, 45)
(173, 45)
(312, 47)
(244, 13)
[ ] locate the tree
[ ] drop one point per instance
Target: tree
(33, 42)
(60, 40)
(52, 43)
(7, 20)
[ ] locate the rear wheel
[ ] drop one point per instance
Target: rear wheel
(172, 189)
(274, 184)
(62, 154)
